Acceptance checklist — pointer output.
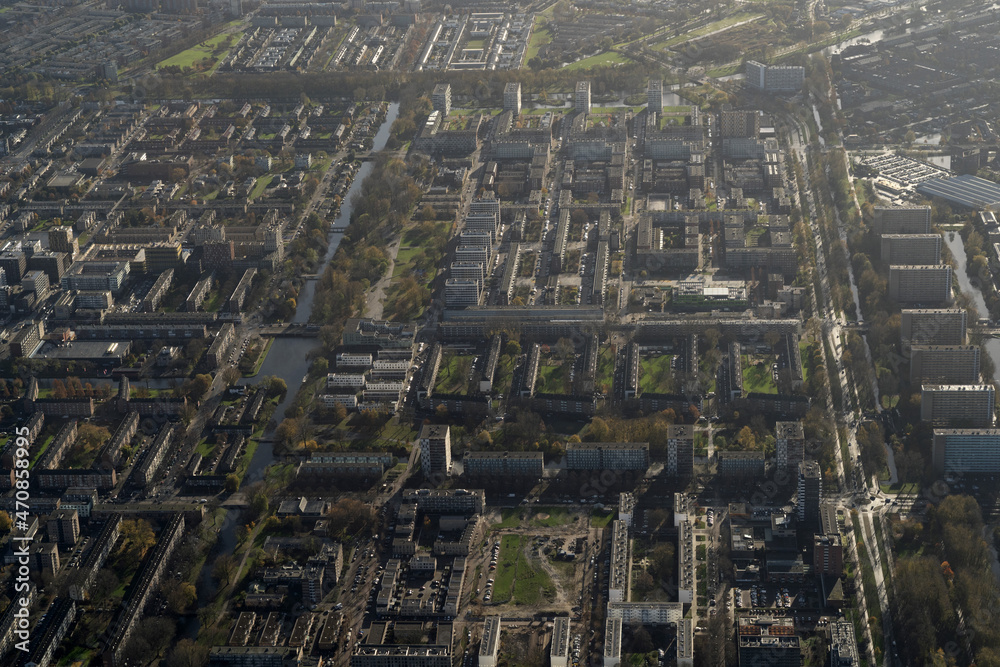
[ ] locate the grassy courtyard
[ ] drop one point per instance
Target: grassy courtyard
(758, 376)
(453, 376)
(656, 376)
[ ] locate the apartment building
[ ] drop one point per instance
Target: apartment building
(902, 220)
(499, 465)
(680, 450)
(933, 326)
(607, 456)
(924, 249)
(435, 449)
(958, 405)
(810, 492)
(944, 364)
(789, 446)
(512, 97)
(441, 98)
(913, 283)
(489, 649)
(581, 100)
(966, 450)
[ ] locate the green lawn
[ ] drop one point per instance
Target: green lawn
(539, 38)
(517, 580)
(553, 379)
(600, 519)
(205, 448)
(404, 257)
(600, 60)
(656, 376)
(911, 488)
(804, 355)
(723, 71)
(551, 516)
(475, 44)
(40, 451)
(452, 377)
(757, 377)
(260, 186)
(510, 518)
(605, 370)
(195, 53)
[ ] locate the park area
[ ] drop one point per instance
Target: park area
(203, 56)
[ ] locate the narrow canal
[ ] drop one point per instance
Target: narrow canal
(288, 359)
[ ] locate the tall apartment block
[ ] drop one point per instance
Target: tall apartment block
(582, 99)
(490, 646)
(843, 645)
(913, 283)
(911, 248)
(607, 456)
(739, 124)
(789, 446)
(902, 220)
(654, 96)
(958, 405)
(499, 465)
(64, 527)
(435, 449)
(768, 642)
(559, 651)
(944, 364)
(680, 450)
(774, 78)
(828, 554)
(933, 326)
(512, 97)
(61, 240)
(810, 492)
(441, 98)
(962, 450)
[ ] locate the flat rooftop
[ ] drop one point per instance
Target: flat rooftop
(965, 190)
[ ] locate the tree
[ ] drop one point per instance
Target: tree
(224, 569)
(187, 653)
(275, 386)
(349, 517)
(136, 539)
(745, 440)
(180, 595)
(232, 483)
(199, 386)
(291, 431)
(58, 389)
(644, 583)
(105, 583)
(92, 437)
(661, 561)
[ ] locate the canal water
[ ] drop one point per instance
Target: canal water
(288, 359)
(957, 248)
